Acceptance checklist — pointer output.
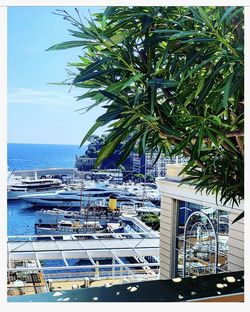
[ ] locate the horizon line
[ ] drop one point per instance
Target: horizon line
(45, 143)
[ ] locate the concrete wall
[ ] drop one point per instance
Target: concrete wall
(172, 191)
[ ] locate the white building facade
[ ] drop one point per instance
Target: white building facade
(196, 233)
(159, 168)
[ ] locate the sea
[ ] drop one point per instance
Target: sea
(41, 156)
(21, 216)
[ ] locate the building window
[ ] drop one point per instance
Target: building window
(201, 239)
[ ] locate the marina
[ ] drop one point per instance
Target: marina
(80, 234)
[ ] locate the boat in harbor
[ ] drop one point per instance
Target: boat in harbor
(100, 213)
(69, 227)
(53, 216)
(19, 186)
(87, 197)
(122, 223)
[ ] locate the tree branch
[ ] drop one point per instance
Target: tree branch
(240, 145)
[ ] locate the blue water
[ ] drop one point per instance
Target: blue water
(41, 156)
(21, 217)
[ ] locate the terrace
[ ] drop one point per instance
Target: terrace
(209, 288)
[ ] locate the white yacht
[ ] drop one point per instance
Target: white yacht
(148, 191)
(85, 198)
(125, 223)
(100, 213)
(19, 186)
(53, 216)
(69, 227)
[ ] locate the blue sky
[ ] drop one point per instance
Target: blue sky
(39, 112)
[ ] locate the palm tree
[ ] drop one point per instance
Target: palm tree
(172, 81)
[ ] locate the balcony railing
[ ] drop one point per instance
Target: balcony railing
(215, 287)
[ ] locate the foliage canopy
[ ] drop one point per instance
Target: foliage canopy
(172, 81)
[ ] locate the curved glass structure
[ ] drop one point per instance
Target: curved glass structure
(201, 240)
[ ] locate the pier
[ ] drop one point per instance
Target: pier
(61, 172)
(71, 174)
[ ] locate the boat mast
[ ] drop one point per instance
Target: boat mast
(145, 171)
(86, 212)
(81, 196)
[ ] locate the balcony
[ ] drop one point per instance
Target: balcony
(224, 287)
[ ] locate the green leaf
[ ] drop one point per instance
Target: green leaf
(86, 95)
(113, 97)
(132, 80)
(117, 38)
(235, 13)
(124, 83)
(190, 59)
(150, 118)
(213, 138)
(227, 91)
(159, 63)
(129, 146)
(200, 139)
(82, 78)
(67, 45)
(189, 98)
(196, 14)
(144, 140)
(116, 86)
(200, 40)
(187, 167)
(162, 83)
(218, 120)
(205, 17)
(224, 138)
(170, 131)
(227, 12)
(166, 31)
(146, 23)
(77, 34)
(182, 34)
(94, 66)
(91, 131)
(182, 145)
(107, 13)
(200, 85)
(86, 109)
(109, 116)
(108, 149)
(240, 216)
(198, 67)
